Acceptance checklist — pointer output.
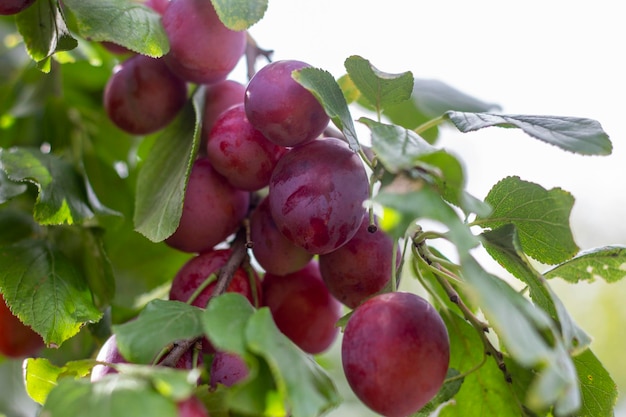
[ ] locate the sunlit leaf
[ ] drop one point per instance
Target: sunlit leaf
(324, 87)
(607, 263)
(160, 323)
(379, 88)
(126, 23)
(41, 376)
(45, 290)
(574, 134)
(240, 14)
(541, 217)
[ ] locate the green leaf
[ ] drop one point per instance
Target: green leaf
(45, 290)
(541, 217)
(605, 263)
(63, 194)
(531, 338)
(225, 320)
(379, 88)
(16, 225)
(173, 383)
(324, 87)
(41, 376)
(97, 267)
(504, 246)
(159, 199)
(127, 23)
(574, 134)
(114, 395)
(449, 389)
(240, 14)
(300, 381)
(44, 31)
(484, 391)
(160, 323)
(599, 391)
(8, 188)
(413, 204)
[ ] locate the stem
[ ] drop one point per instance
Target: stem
(429, 124)
(225, 276)
(208, 281)
(394, 284)
(171, 355)
(253, 52)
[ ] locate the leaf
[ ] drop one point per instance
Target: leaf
(324, 87)
(41, 376)
(421, 203)
(607, 263)
(300, 381)
(504, 246)
(225, 321)
(44, 289)
(541, 217)
(484, 391)
(44, 31)
(16, 225)
(574, 134)
(240, 14)
(531, 338)
(97, 267)
(126, 23)
(114, 395)
(8, 188)
(159, 198)
(599, 391)
(449, 389)
(173, 383)
(63, 197)
(379, 88)
(160, 323)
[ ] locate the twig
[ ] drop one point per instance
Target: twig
(237, 256)
(253, 52)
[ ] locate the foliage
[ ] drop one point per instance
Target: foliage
(85, 208)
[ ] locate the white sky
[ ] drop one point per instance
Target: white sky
(535, 57)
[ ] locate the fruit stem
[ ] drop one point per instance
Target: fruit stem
(208, 281)
(237, 256)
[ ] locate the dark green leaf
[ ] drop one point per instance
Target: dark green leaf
(599, 391)
(45, 290)
(16, 225)
(44, 31)
(41, 376)
(127, 23)
(574, 134)
(379, 88)
(240, 14)
(96, 267)
(299, 379)
(160, 323)
(159, 200)
(504, 246)
(531, 338)
(63, 195)
(8, 188)
(605, 263)
(541, 217)
(324, 87)
(114, 395)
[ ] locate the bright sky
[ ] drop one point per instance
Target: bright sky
(543, 57)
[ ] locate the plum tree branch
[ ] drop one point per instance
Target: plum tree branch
(253, 52)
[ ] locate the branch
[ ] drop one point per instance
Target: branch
(253, 52)
(238, 255)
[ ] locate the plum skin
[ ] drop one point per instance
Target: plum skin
(395, 353)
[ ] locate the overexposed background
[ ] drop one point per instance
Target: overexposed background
(537, 57)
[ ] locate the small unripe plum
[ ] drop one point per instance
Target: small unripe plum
(212, 210)
(283, 110)
(9, 7)
(395, 353)
(240, 152)
(273, 251)
(302, 308)
(143, 95)
(17, 340)
(202, 49)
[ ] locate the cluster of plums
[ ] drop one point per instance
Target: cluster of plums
(266, 163)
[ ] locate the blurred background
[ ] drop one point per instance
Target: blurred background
(555, 57)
